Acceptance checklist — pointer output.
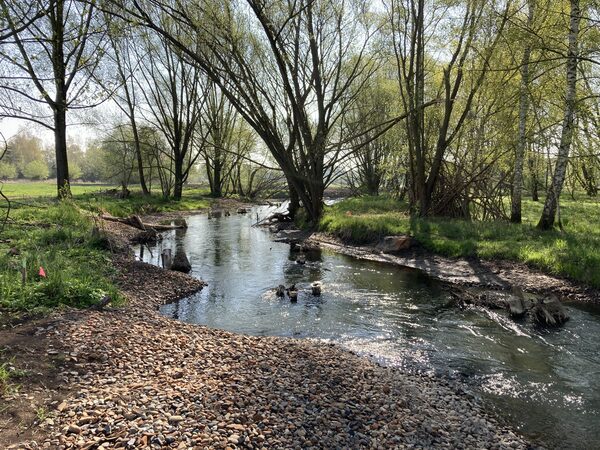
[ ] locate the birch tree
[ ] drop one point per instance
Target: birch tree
(554, 190)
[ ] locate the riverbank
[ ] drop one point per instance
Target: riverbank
(572, 254)
(128, 377)
(474, 272)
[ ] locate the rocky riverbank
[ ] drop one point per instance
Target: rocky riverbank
(130, 378)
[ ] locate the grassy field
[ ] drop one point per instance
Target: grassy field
(57, 236)
(574, 253)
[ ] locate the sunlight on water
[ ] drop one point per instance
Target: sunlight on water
(546, 383)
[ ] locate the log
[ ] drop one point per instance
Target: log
(133, 221)
(136, 222)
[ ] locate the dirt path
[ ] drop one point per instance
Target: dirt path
(130, 378)
(469, 272)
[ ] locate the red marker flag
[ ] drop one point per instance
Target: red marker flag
(42, 273)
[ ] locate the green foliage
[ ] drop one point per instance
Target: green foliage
(8, 171)
(36, 170)
(58, 238)
(192, 199)
(574, 253)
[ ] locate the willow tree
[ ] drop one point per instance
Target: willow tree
(466, 33)
(48, 61)
(287, 67)
(174, 94)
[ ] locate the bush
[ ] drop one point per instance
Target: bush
(8, 171)
(36, 170)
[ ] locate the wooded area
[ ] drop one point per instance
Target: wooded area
(454, 106)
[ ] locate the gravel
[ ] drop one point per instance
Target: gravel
(140, 380)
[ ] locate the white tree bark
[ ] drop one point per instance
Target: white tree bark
(550, 206)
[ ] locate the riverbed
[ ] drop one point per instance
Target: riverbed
(545, 383)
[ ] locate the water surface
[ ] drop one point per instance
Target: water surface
(546, 383)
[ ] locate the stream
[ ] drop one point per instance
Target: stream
(543, 382)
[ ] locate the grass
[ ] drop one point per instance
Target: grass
(58, 237)
(574, 253)
(19, 190)
(55, 237)
(8, 373)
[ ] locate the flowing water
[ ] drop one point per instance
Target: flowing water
(545, 383)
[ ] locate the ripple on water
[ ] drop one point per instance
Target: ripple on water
(544, 382)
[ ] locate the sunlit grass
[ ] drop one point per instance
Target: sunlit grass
(58, 237)
(574, 253)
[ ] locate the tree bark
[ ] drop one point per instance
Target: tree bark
(178, 182)
(517, 182)
(60, 145)
(552, 197)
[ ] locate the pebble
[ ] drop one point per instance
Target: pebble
(140, 376)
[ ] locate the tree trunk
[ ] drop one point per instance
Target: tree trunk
(217, 187)
(549, 213)
(60, 145)
(517, 183)
(138, 152)
(294, 199)
(178, 182)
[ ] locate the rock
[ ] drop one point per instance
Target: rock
(293, 294)
(280, 291)
(301, 259)
(73, 429)
(242, 210)
(316, 288)
(391, 244)
(549, 311)
(234, 439)
(516, 307)
(181, 263)
(176, 419)
(215, 214)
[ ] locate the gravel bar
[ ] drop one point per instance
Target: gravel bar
(140, 380)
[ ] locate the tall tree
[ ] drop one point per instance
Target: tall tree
(287, 67)
(174, 93)
(453, 81)
(554, 190)
(49, 62)
(517, 182)
(126, 62)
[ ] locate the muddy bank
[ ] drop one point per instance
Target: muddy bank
(132, 379)
(502, 275)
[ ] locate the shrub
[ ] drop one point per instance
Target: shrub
(36, 170)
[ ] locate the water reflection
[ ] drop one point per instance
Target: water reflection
(547, 383)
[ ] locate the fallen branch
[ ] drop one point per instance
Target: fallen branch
(136, 222)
